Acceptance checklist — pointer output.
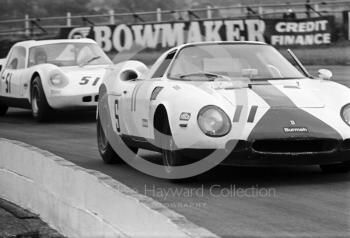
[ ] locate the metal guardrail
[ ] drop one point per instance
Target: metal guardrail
(34, 25)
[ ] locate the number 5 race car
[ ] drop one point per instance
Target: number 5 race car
(52, 74)
(243, 99)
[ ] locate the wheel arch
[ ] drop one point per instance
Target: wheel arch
(160, 115)
(102, 91)
(34, 75)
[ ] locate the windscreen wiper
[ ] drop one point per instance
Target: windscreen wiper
(280, 78)
(300, 65)
(90, 60)
(206, 74)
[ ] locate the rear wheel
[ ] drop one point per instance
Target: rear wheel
(3, 109)
(40, 107)
(336, 168)
(105, 149)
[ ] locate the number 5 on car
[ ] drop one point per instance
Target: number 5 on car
(229, 103)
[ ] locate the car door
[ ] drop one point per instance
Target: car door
(124, 105)
(145, 93)
(11, 75)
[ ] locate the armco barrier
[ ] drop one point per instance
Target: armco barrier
(83, 203)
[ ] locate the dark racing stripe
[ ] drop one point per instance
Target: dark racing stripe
(283, 113)
(273, 96)
(238, 113)
(252, 114)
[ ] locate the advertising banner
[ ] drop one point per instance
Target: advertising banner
(278, 32)
(300, 32)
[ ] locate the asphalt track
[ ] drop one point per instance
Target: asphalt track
(232, 202)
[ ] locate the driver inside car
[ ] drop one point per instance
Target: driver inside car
(40, 56)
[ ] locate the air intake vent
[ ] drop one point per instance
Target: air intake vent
(87, 99)
(346, 144)
(295, 146)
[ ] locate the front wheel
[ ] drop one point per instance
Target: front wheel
(170, 154)
(40, 107)
(104, 148)
(336, 168)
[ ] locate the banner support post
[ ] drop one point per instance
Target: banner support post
(111, 17)
(243, 9)
(159, 15)
(348, 26)
(209, 12)
(69, 19)
(26, 25)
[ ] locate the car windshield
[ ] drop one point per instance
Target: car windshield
(231, 62)
(68, 54)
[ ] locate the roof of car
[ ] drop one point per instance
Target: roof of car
(31, 43)
(215, 43)
(226, 42)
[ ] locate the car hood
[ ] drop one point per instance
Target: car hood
(273, 93)
(77, 73)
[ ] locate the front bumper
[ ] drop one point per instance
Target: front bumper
(251, 153)
(82, 101)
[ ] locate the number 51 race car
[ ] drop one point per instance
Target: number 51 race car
(52, 74)
(241, 98)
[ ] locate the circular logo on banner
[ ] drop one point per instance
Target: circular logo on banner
(80, 32)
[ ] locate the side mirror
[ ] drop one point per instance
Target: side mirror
(325, 74)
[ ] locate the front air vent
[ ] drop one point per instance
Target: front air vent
(87, 99)
(346, 144)
(295, 146)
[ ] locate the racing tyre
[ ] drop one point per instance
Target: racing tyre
(170, 155)
(3, 109)
(104, 148)
(135, 150)
(336, 168)
(40, 107)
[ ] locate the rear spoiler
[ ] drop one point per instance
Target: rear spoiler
(300, 65)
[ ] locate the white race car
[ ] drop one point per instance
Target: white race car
(52, 74)
(241, 98)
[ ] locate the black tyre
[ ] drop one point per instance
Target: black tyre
(104, 148)
(336, 168)
(170, 155)
(3, 110)
(40, 108)
(135, 150)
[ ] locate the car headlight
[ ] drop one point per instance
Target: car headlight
(213, 121)
(345, 114)
(58, 80)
